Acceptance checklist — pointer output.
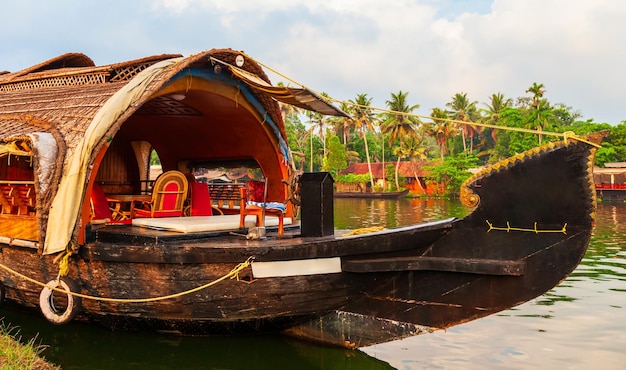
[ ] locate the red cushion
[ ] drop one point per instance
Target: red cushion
(200, 199)
(100, 204)
(170, 197)
(255, 190)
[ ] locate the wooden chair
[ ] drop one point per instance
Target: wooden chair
(7, 199)
(25, 199)
(168, 197)
(254, 202)
(101, 210)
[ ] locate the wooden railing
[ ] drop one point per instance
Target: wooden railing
(225, 196)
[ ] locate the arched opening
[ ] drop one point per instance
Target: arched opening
(195, 125)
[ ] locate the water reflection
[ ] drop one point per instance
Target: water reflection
(581, 323)
(77, 346)
(356, 213)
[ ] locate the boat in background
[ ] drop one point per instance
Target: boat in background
(72, 132)
(611, 181)
(372, 194)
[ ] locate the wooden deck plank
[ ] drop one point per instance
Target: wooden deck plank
(420, 263)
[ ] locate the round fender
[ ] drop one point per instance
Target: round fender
(62, 308)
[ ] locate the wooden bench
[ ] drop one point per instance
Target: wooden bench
(226, 197)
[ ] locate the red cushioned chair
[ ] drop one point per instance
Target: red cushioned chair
(168, 197)
(201, 200)
(253, 202)
(101, 210)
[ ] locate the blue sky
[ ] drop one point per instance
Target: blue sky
(429, 48)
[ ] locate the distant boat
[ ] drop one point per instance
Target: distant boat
(74, 136)
(611, 181)
(373, 194)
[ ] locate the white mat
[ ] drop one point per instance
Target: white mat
(203, 223)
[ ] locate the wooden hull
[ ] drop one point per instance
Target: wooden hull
(377, 195)
(530, 228)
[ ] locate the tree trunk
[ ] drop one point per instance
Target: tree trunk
(369, 164)
(463, 137)
(397, 167)
(383, 165)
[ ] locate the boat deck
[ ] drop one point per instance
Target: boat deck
(140, 244)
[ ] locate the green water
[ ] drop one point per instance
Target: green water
(579, 324)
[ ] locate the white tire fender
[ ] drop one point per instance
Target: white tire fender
(46, 301)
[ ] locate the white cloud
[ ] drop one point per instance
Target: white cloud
(430, 48)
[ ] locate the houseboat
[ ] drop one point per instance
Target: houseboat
(88, 234)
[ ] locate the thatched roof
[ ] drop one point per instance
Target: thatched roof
(68, 60)
(64, 93)
(67, 91)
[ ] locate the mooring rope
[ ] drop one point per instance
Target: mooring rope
(566, 135)
(233, 274)
(364, 230)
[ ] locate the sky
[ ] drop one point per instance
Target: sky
(431, 49)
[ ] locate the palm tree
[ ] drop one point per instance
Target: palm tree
(341, 124)
(497, 103)
(309, 135)
(537, 90)
(494, 108)
(415, 148)
(399, 123)
(464, 110)
(542, 117)
(541, 110)
(362, 122)
(441, 129)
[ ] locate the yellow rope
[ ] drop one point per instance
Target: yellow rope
(508, 228)
(64, 265)
(364, 230)
(233, 274)
(566, 135)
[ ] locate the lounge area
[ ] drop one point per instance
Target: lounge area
(178, 203)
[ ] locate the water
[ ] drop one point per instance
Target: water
(580, 324)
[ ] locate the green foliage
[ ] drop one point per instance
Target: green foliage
(336, 158)
(352, 178)
(444, 138)
(314, 159)
(390, 172)
(15, 355)
(154, 158)
(296, 134)
(451, 172)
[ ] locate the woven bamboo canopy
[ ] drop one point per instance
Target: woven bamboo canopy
(65, 100)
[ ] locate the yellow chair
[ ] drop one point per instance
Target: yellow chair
(168, 197)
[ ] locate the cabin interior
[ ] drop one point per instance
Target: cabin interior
(192, 124)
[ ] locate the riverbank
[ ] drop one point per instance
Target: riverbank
(15, 355)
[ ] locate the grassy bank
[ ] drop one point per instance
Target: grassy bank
(15, 355)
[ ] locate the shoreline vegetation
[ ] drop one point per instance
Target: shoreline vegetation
(16, 355)
(463, 134)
